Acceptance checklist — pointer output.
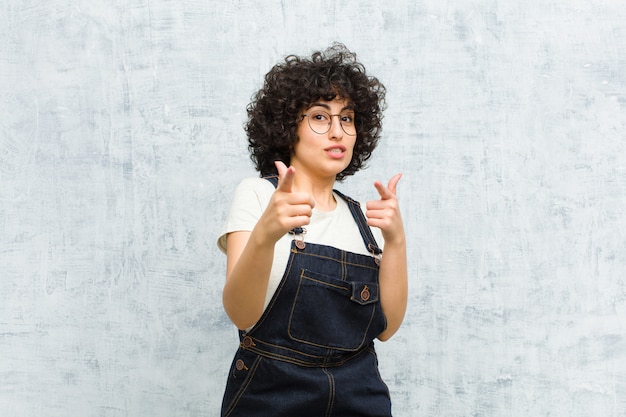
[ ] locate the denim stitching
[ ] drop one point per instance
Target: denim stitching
(380, 378)
(374, 267)
(244, 387)
(324, 361)
(331, 396)
(360, 345)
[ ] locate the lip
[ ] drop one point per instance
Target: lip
(330, 151)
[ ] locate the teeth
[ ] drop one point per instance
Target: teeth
(335, 150)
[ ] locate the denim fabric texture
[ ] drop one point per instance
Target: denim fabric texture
(312, 351)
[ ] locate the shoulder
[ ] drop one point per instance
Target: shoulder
(255, 184)
(252, 195)
(253, 189)
(249, 201)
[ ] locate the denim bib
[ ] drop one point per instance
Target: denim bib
(312, 351)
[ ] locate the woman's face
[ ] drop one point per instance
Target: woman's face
(325, 150)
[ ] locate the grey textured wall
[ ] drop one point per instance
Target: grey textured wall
(121, 140)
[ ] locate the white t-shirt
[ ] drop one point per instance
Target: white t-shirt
(335, 228)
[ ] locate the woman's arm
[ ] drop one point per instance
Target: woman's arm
(393, 287)
(249, 255)
(248, 265)
(385, 214)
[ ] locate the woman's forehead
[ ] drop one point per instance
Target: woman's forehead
(341, 102)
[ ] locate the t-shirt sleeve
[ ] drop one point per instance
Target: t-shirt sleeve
(249, 201)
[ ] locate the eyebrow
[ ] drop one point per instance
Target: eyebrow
(327, 107)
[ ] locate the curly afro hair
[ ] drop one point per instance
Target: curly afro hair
(293, 86)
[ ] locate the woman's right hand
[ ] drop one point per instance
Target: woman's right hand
(286, 209)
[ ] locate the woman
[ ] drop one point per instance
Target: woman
(307, 283)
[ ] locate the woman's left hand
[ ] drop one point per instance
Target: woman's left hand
(385, 213)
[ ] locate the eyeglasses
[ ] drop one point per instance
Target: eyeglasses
(321, 121)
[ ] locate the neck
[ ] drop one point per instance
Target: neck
(320, 189)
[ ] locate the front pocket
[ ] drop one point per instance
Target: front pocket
(332, 313)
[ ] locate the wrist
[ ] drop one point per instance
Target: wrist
(397, 241)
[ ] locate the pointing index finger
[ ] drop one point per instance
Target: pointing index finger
(393, 183)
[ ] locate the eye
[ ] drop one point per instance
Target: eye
(347, 119)
(319, 116)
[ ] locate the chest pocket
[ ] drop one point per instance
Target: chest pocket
(332, 313)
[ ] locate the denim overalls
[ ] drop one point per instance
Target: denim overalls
(312, 351)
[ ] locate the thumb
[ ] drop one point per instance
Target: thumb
(285, 176)
(389, 191)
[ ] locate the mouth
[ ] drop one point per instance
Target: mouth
(336, 151)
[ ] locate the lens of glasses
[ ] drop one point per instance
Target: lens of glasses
(321, 121)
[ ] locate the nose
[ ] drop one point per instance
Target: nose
(335, 131)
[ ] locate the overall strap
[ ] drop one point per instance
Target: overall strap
(273, 179)
(357, 214)
(361, 221)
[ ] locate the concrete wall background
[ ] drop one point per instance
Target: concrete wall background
(121, 140)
